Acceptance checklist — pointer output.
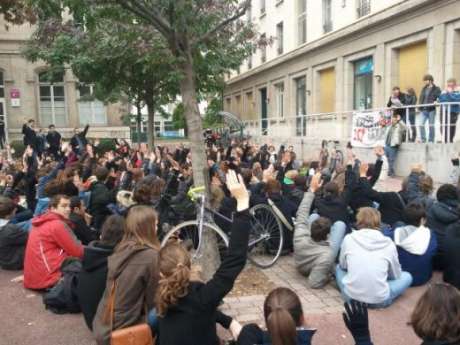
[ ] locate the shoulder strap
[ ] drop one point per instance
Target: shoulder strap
(403, 203)
(280, 215)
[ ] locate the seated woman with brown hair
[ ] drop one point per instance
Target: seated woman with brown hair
(436, 317)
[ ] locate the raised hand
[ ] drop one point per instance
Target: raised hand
(356, 319)
(237, 188)
(363, 169)
(316, 182)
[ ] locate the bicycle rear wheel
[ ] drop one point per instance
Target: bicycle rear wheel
(187, 234)
(265, 237)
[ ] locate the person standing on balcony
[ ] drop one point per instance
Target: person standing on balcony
(452, 95)
(428, 96)
(397, 101)
(393, 139)
(409, 114)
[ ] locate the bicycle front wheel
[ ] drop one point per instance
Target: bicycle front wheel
(188, 235)
(265, 237)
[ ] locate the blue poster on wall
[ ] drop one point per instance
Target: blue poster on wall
(365, 66)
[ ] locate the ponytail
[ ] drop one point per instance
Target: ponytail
(281, 327)
(174, 277)
(283, 314)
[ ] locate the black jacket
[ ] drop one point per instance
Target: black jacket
(13, 242)
(54, 140)
(439, 217)
(78, 139)
(92, 279)
(359, 189)
(402, 99)
(432, 97)
(101, 196)
(83, 232)
(193, 319)
(335, 209)
(30, 136)
(452, 255)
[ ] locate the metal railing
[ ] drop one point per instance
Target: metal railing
(439, 118)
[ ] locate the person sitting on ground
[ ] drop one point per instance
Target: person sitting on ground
(100, 198)
(316, 242)
(420, 187)
(93, 276)
(51, 241)
(286, 322)
(132, 276)
(330, 204)
(436, 316)
(13, 239)
(416, 244)
(187, 308)
(369, 270)
(81, 221)
(451, 271)
(442, 214)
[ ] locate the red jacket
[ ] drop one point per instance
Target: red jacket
(51, 240)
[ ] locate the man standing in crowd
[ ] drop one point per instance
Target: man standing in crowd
(54, 141)
(394, 138)
(30, 136)
(429, 95)
(448, 124)
(79, 140)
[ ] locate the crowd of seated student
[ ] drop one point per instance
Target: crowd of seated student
(341, 221)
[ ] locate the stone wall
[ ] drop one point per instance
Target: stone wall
(436, 158)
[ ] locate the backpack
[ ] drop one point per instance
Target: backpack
(62, 298)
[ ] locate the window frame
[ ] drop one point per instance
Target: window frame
(92, 106)
(52, 85)
(280, 37)
(302, 22)
(327, 16)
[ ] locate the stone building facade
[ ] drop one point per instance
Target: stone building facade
(337, 56)
(26, 94)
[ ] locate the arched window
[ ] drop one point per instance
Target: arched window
(52, 100)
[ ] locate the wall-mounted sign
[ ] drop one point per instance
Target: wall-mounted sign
(15, 96)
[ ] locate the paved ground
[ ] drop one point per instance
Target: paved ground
(26, 322)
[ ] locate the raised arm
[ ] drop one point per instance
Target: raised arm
(222, 282)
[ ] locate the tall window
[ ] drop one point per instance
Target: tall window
(91, 110)
(302, 21)
(263, 49)
(250, 61)
(364, 8)
(279, 37)
(327, 15)
(2, 86)
(52, 100)
(300, 105)
(249, 14)
(363, 71)
(262, 7)
(279, 88)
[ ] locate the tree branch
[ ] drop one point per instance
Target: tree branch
(238, 14)
(140, 9)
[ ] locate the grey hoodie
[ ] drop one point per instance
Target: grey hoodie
(371, 259)
(313, 259)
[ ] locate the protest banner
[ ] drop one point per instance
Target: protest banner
(369, 128)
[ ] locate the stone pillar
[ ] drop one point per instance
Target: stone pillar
(436, 54)
(379, 86)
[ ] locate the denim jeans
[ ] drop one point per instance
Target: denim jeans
(397, 287)
(391, 153)
(429, 116)
(338, 230)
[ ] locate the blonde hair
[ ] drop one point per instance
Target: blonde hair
(368, 218)
(175, 268)
(141, 227)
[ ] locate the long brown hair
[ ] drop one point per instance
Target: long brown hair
(283, 314)
(175, 265)
(141, 227)
(437, 314)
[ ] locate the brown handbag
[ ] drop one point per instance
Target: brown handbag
(134, 335)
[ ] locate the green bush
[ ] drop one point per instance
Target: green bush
(18, 147)
(105, 145)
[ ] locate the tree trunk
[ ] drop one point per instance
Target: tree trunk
(210, 258)
(150, 124)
